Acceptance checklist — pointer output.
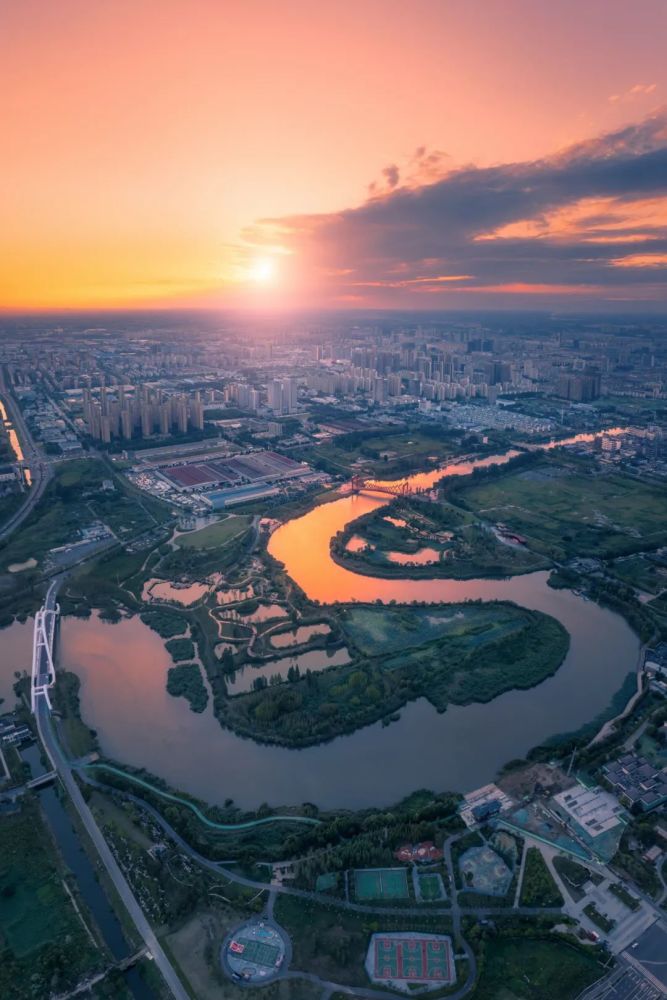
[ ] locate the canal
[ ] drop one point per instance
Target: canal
(77, 860)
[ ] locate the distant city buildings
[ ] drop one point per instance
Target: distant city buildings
(144, 413)
(282, 396)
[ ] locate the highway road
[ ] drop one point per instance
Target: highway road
(40, 469)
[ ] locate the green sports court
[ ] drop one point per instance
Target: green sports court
(381, 883)
(259, 952)
(430, 887)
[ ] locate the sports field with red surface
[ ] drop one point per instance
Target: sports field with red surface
(421, 959)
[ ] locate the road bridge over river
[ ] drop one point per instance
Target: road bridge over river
(400, 488)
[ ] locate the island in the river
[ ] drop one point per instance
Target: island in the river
(447, 653)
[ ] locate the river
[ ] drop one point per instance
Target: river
(123, 695)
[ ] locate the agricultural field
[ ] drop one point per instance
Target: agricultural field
(456, 653)
(44, 946)
(564, 508)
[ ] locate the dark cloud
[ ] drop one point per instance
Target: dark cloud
(502, 225)
(392, 175)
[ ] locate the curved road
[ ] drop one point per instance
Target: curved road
(247, 825)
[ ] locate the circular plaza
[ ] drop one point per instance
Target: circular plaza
(255, 953)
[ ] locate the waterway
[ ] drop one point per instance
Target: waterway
(313, 660)
(303, 633)
(87, 881)
(123, 690)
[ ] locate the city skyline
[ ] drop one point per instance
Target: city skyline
(452, 156)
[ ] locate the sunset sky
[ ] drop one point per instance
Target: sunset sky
(431, 154)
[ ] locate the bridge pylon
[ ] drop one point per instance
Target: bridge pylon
(43, 669)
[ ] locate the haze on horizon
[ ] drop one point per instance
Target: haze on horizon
(442, 154)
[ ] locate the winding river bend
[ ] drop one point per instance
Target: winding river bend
(123, 697)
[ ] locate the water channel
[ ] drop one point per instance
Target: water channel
(87, 881)
(123, 669)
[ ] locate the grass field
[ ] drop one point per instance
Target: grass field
(381, 883)
(524, 969)
(463, 547)
(42, 940)
(430, 887)
(74, 499)
(214, 534)
(648, 573)
(404, 452)
(333, 943)
(564, 508)
(377, 630)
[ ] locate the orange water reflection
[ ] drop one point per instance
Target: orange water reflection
(123, 672)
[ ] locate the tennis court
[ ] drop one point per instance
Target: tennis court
(259, 952)
(411, 958)
(381, 883)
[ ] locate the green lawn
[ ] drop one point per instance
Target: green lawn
(215, 534)
(525, 969)
(538, 887)
(377, 630)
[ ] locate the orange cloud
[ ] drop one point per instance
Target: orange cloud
(641, 260)
(632, 93)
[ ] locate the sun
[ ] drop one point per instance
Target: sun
(262, 270)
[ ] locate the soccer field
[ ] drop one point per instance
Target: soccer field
(430, 887)
(381, 883)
